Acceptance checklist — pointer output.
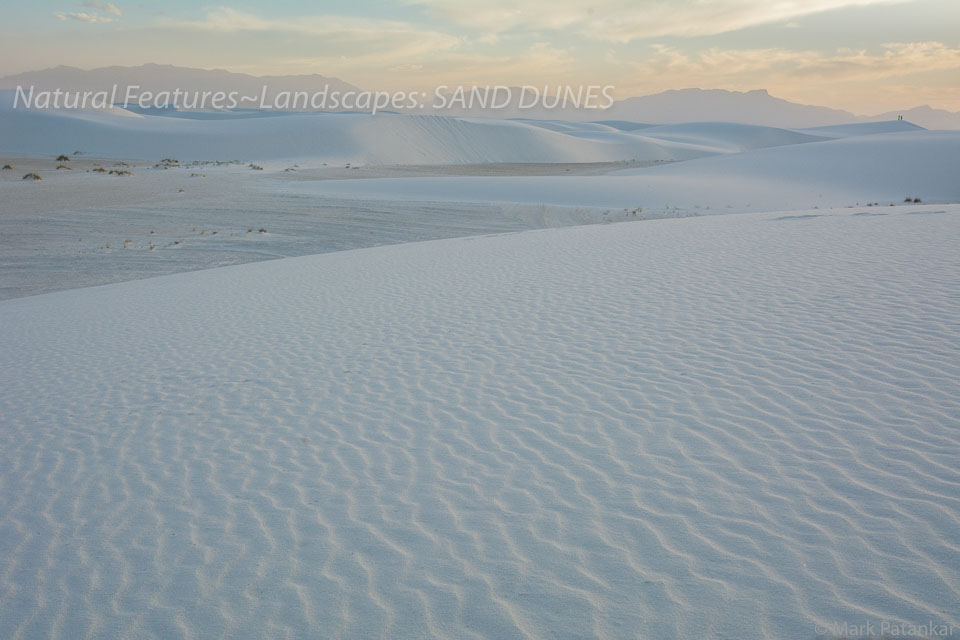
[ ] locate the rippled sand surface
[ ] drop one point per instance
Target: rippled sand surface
(728, 427)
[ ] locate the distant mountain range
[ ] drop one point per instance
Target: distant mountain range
(167, 78)
(760, 108)
(751, 107)
(675, 106)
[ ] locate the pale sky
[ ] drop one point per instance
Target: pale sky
(866, 56)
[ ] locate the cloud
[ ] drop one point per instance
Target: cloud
(893, 59)
(538, 63)
(231, 20)
(105, 7)
(401, 68)
(359, 38)
(846, 78)
(101, 12)
(627, 20)
(81, 16)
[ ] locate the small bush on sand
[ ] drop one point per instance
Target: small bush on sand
(917, 200)
(256, 167)
(7, 167)
(98, 170)
(63, 166)
(32, 176)
(62, 158)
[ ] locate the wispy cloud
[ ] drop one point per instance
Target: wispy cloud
(99, 11)
(538, 63)
(82, 16)
(352, 37)
(105, 7)
(894, 59)
(842, 77)
(230, 20)
(627, 20)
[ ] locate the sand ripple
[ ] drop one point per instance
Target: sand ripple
(733, 427)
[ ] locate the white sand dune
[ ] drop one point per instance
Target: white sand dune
(857, 169)
(78, 228)
(335, 138)
(721, 427)
(726, 137)
(382, 139)
(862, 129)
(711, 137)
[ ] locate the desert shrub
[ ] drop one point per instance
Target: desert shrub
(916, 200)
(63, 166)
(62, 158)
(32, 176)
(7, 167)
(256, 167)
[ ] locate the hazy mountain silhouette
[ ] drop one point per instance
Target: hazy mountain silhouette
(674, 106)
